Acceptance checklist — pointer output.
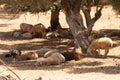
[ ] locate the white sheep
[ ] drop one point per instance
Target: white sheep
(53, 59)
(50, 52)
(42, 51)
(27, 35)
(51, 35)
(104, 43)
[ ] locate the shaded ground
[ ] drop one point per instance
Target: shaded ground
(84, 69)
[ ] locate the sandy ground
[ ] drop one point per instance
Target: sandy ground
(84, 69)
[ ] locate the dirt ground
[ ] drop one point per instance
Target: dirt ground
(84, 69)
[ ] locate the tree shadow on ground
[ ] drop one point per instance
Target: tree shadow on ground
(75, 68)
(103, 69)
(35, 45)
(6, 36)
(29, 65)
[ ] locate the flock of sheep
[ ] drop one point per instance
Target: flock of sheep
(29, 31)
(46, 56)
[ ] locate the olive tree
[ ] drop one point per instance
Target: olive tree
(75, 20)
(35, 7)
(72, 12)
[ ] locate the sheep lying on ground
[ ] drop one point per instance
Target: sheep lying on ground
(16, 34)
(50, 52)
(71, 56)
(29, 56)
(27, 35)
(51, 35)
(51, 58)
(24, 27)
(39, 30)
(104, 43)
(42, 51)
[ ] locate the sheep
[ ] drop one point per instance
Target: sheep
(39, 30)
(104, 43)
(71, 56)
(50, 52)
(24, 27)
(42, 51)
(54, 58)
(51, 35)
(16, 34)
(27, 35)
(29, 56)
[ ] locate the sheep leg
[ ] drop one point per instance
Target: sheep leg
(106, 52)
(98, 51)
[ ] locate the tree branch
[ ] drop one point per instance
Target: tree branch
(94, 19)
(87, 15)
(10, 69)
(86, 11)
(77, 5)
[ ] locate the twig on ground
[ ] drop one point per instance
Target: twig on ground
(10, 69)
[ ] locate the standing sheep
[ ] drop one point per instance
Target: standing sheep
(39, 30)
(104, 43)
(24, 27)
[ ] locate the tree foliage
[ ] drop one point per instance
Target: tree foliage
(33, 6)
(116, 5)
(36, 6)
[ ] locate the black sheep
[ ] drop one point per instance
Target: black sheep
(13, 53)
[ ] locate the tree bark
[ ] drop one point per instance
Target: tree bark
(78, 30)
(55, 20)
(75, 22)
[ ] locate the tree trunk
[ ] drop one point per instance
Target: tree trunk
(78, 30)
(55, 20)
(75, 22)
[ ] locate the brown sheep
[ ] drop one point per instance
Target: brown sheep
(53, 59)
(39, 30)
(71, 56)
(104, 43)
(29, 56)
(24, 27)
